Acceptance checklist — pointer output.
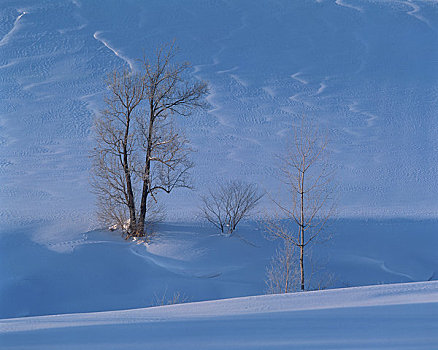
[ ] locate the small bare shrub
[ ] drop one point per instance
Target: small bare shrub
(227, 205)
(176, 298)
(282, 275)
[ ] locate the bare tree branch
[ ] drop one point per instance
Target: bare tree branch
(307, 176)
(169, 92)
(139, 150)
(231, 202)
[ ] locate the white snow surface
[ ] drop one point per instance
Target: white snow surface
(402, 316)
(43, 273)
(364, 70)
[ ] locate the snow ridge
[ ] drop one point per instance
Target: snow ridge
(15, 27)
(342, 3)
(414, 12)
(98, 36)
(380, 295)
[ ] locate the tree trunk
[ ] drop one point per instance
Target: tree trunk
(287, 269)
(302, 227)
(146, 176)
(302, 266)
(144, 196)
(131, 204)
(130, 192)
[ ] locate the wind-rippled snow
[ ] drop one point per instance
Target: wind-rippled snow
(365, 70)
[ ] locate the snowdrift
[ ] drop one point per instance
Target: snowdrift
(401, 316)
(364, 69)
(44, 273)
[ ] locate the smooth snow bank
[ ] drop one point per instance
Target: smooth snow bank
(365, 70)
(398, 316)
(44, 272)
(395, 294)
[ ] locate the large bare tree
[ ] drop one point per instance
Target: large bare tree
(168, 92)
(139, 150)
(116, 148)
(309, 180)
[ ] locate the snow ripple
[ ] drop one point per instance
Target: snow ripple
(342, 3)
(130, 62)
(15, 27)
(301, 80)
(370, 117)
(414, 12)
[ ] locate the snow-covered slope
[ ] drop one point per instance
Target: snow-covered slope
(99, 271)
(402, 316)
(364, 69)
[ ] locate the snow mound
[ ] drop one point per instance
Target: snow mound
(401, 316)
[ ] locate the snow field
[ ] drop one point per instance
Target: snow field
(401, 316)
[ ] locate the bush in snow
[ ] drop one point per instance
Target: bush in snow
(229, 203)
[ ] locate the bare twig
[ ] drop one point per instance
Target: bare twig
(309, 180)
(229, 203)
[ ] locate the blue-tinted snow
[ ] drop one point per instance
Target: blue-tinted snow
(98, 270)
(379, 317)
(366, 71)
